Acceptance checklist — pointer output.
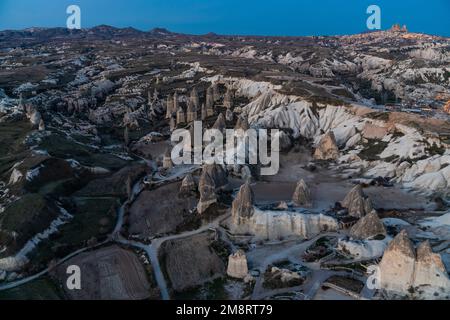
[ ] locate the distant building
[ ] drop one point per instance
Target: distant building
(396, 28)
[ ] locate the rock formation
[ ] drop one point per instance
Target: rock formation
(215, 92)
(357, 203)
(229, 115)
(327, 148)
(242, 208)
(176, 104)
(191, 114)
(407, 272)
(430, 271)
(207, 190)
(237, 265)
(217, 173)
(204, 112)
(274, 225)
(167, 160)
(285, 141)
(194, 99)
(42, 125)
(209, 102)
(302, 195)
(242, 123)
(397, 265)
(181, 116)
(188, 186)
(228, 100)
(447, 107)
(367, 227)
(172, 123)
(220, 123)
(169, 107)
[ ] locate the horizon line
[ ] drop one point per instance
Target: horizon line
(220, 34)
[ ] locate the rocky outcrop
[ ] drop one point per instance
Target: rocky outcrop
(207, 190)
(167, 160)
(367, 227)
(229, 116)
(169, 107)
(242, 124)
(220, 123)
(204, 112)
(357, 203)
(405, 271)
(327, 148)
(228, 100)
(430, 271)
(194, 99)
(209, 102)
(237, 265)
(191, 114)
(172, 123)
(181, 116)
(217, 173)
(302, 195)
(274, 225)
(41, 125)
(242, 208)
(188, 186)
(397, 265)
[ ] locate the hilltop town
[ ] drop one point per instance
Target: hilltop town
(358, 210)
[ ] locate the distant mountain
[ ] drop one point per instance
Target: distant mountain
(160, 32)
(34, 35)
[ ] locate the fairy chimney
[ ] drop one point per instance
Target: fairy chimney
(357, 203)
(167, 160)
(302, 195)
(237, 265)
(207, 190)
(327, 148)
(242, 207)
(367, 227)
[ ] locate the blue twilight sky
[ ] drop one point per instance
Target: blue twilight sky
(256, 17)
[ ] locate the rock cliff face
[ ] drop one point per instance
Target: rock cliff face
(357, 203)
(327, 148)
(237, 265)
(368, 227)
(302, 195)
(405, 271)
